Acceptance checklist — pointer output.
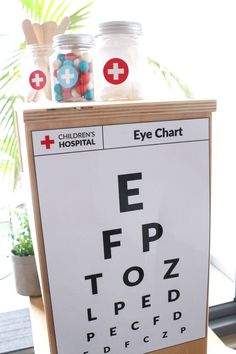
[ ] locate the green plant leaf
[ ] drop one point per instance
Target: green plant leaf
(59, 11)
(48, 10)
(171, 78)
(79, 16)
(19, 234)
(28, 6)
(85, 7)
(74, 22)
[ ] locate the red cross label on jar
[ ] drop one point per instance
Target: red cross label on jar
(116, 71)
(37, 80)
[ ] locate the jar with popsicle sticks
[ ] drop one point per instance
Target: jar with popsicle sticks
(38, 73)
(39, 38)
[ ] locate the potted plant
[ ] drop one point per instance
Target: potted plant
(22, 254)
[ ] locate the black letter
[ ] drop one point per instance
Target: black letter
(174, 263)
(146, 238)
(145, 301)
(107, 349)
(119, 306)
(146, 339)
(127, 343)
(155, 320)
(174, 291)
(183, 329)
(113, 331)
(177, 315)
(90, 336)
(126, 275)
(107, 244)
(124, 192)
(93, 278)
(132, 326)
(136, 137)
(164, 334)
(90, 318)
(157, 131)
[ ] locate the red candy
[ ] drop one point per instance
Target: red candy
(55, 73)
(81, 89)
(70, 56)
(84, 78)
(91, 67)
(66, 92)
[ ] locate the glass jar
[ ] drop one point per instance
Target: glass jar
(119, 61)
(71, 68)
(37, 72)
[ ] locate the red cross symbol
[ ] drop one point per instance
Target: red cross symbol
(47, 142)
(37, 79)
(116, 71)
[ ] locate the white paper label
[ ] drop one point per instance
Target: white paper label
(48, 142)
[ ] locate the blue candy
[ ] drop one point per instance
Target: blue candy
(58, 89)
(61, 57)
(89, 95)
(68, 62)
(83, 66)
(58, 97)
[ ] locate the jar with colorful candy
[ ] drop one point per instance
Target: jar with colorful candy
(71, 68)
(120, 61)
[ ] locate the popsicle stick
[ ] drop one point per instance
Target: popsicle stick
(36, 97)
(32, 96)
(30, 35)
(47, 91)
(63, 25)
(49, 30)
(38, 32)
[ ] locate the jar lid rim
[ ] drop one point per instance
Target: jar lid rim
(126, 27)
(75, 39)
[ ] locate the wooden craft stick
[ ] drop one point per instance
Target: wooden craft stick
(49, 30)
(37, 95)
(32, 96)
(63, 25)
(38, 32)
(29, 32)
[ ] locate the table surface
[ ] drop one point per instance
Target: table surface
(40, 336)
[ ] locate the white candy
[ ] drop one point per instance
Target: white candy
(90, 85)
(91, 79)
(86, 57)
(56, 64)
(74, 93)
(76, 62)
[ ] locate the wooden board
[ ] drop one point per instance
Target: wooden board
(87, 115)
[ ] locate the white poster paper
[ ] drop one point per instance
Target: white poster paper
(125, 218)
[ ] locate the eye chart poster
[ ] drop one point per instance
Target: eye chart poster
(125, 219)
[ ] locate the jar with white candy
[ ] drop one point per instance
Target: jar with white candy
(72, 68)
(119, 61)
